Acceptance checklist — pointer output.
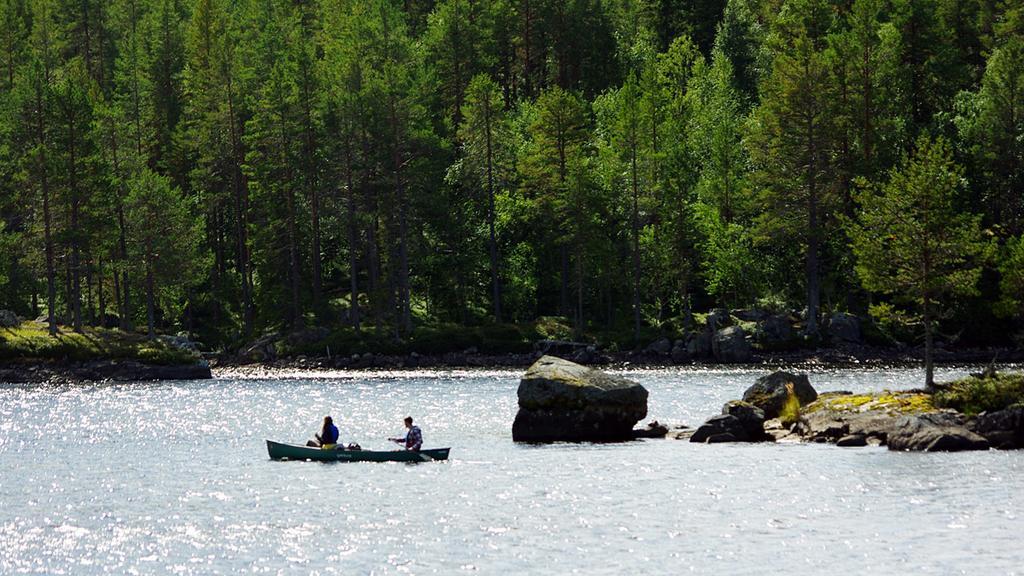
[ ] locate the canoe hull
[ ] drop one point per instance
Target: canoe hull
(279, 451)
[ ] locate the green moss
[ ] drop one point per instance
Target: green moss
(31, 341)
(974, 395)
(790, 412)
(892, 402)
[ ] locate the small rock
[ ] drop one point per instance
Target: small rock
(654, 429)
(774, 331)
(751, 418)
(852, 440)
(9, 319)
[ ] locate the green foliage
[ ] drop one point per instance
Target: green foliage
(462, 162)
(910, 238)
(975, 395)
(30, 341)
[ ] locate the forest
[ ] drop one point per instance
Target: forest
(229, 168)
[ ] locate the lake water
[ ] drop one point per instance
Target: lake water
(173, 477)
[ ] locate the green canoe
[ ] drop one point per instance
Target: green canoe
(280, 451)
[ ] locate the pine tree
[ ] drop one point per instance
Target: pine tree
(166, 236)
(912, 242)
(992, 121)
(790, 143)
(485, 134)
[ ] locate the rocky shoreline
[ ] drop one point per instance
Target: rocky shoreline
(560, 400)
(99, 371)
(911, 420)
(836, 357)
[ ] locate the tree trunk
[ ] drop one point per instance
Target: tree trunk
(813, 240)
(100, 292)
(44, 184)
(76, 204)
(493, 243)
(636, 249)
(353, 238)
(929, 345)
(150, 294)
(241, 212)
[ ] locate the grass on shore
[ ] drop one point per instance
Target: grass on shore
(975, 395)
(887, 401)
(32, 342)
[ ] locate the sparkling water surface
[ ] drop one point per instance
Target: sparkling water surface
(173, 477)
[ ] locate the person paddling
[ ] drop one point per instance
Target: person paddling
(327, 437)
(413, 438)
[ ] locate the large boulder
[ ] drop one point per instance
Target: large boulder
(843, 327)
(9, 319)
(698, 345)
(769, 393)
(680, 353)
(730, 345)
(934, 432)
(774, 331)
(1003, 429)
(661, 347)
(563, 401)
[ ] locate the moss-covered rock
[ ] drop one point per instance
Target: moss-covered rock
(770, 393)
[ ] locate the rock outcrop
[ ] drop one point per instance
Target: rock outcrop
(730, 346)
(563, 401)
(769, 393)
(1003, 429)
(934, 432)
(844, 328)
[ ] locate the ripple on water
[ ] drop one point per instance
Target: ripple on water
(173, 477)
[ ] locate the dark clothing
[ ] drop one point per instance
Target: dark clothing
(414, 439)
(329, 435)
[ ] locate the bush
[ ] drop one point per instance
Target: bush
(975, 395)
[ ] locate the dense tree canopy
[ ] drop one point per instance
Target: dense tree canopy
(229, 168)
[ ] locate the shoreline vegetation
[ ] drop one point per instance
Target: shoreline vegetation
(29, 354)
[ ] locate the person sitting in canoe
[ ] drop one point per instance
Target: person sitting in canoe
(327, 437)
(413, 438)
